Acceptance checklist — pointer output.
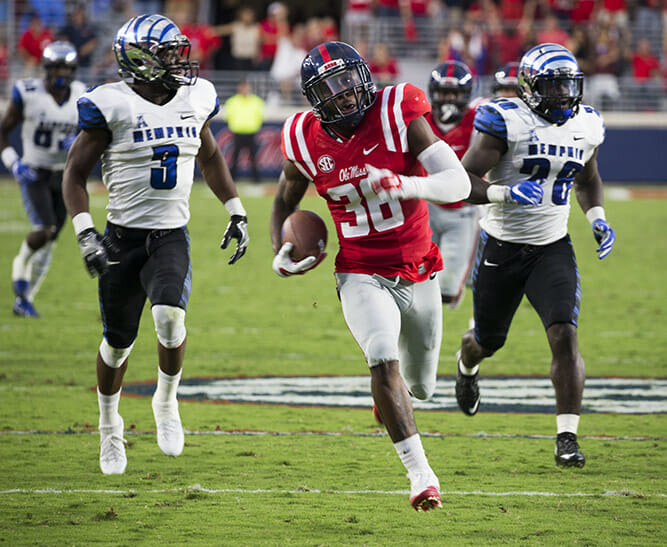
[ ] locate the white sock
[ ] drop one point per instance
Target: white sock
(412, 455)
(567, 423)
(108, 404)
(20, 268)
(466, 371)
(39, 267)
(167, 386)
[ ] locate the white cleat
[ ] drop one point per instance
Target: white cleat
(112, 449)
(424, 490)
(170, 436)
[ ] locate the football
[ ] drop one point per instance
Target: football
(307, 232)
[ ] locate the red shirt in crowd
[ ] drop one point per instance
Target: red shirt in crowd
(33, 44)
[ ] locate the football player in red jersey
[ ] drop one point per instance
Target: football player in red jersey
(455, 225)
(387, 263)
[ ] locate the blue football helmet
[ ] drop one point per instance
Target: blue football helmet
(151, 48)
(55, 56)
(332, 73)
(550, 82)
(506, 77)
(449, 90)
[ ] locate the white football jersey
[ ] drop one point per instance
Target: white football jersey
(536, 150)
(148, 167)
(45, 122)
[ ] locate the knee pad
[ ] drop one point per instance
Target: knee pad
(114, 357)
(169, 325)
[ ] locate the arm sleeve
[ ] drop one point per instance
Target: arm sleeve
(447, 180)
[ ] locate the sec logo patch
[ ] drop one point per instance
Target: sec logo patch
(326, 164)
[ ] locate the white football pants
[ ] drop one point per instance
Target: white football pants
(392, 320)
(455, 232)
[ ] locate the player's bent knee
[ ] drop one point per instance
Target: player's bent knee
(380, 349)
(114, 357)
(169, 325)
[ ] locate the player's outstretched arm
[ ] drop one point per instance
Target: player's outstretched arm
(484, 154)
(589, 192)
(83, 155)
(10, 158)
(217, 176)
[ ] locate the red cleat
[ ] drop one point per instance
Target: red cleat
(424, 491)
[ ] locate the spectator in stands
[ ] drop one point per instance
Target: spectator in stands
(613, 12)
(646, 75)
(603, 91)
(272, 29)
(552, 32)
(506, 40)
(107, 22)
(203, 37)
(286, 66)
(244, 36)
(383, 66)
(4, 59)
(52, 12)
(244, 113)
(31, 44)
(358, 21)
(580, 45)
(79, 32)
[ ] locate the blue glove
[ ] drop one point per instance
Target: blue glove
(23, 173)
(67, 142)
(604, 235)
(527, 192)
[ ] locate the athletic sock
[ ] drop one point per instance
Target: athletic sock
(167, 386)
(466, 371)
(20, 269)
(412, 455)
(108, 404)
(567, 423)
(40, 263)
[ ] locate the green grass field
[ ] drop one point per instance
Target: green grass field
(287, 484)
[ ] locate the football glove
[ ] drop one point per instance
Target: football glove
(604, 235)
(385, 183)
(284, 266)
(527, 192)
(236, 229)
(95, 251)
(23, 173)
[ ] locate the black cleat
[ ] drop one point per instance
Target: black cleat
(567, 453)
(467, 391)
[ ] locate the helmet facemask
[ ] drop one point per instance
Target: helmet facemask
(449, 103)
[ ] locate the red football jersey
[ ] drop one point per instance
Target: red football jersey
(375, 237)
(458, 138)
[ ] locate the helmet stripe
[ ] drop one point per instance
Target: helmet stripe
(324, 52)
(137, 23)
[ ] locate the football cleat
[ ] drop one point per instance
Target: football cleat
(170, 436)
(424, 491)
(112, 449)
(467, 390)
(24, 308)
(376, 415)
(567, 452)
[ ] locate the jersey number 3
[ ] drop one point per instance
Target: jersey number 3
(164, 177)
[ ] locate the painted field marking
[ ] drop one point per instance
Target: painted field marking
(199, 488)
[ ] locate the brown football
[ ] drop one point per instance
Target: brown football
(307, 232)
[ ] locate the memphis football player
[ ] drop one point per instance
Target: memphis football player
(46, 110)
(547, 136)
(373, 158)
(148, 130)
(455, 225)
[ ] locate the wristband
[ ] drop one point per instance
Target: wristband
(594, 213)
(497, 193)
(9, 157)
(235, 207)
(82, 222)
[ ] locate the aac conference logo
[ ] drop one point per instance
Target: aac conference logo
(326, 163)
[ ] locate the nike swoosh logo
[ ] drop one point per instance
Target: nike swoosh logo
(366, 152)
(184, 117)
(474, 408)
(487, 263)
(577, 138)
(112, 262)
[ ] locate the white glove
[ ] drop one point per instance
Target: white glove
(385, 183)
(284, 266)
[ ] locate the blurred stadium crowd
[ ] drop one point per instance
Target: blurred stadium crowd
(621, 45)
